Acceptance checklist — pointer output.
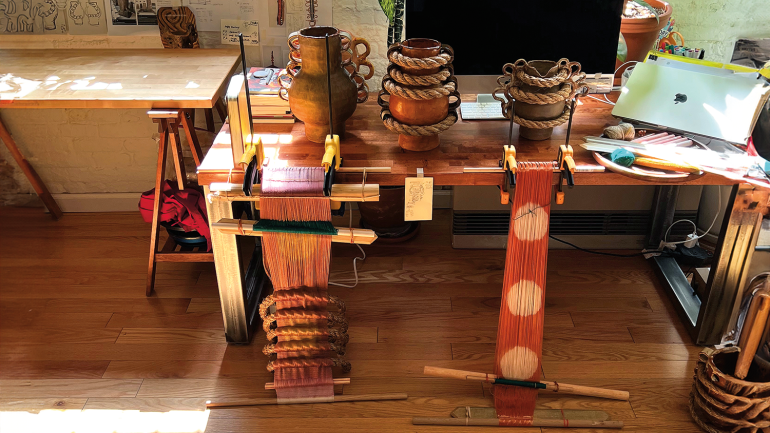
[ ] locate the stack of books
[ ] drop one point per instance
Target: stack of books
(266, 105)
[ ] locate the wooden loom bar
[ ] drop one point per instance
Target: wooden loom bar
(564, 388)
(344, 235)
(337, 399)
(338, 381)
(340, 192)
(494, 422)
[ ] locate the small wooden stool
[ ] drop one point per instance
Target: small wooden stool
(169, 122)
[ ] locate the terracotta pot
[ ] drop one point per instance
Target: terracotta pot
(307, 90)
(642, 33)
(419, 112)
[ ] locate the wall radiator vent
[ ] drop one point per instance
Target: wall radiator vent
(597, 224)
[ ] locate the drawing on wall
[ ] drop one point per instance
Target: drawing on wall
(86, 17)
(133, 12)
(33, 16)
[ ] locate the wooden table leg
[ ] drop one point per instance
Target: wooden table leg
(32, 176)
(221, 109)
(229, 272)
(160, 174)
(176, 151)
(209, 112)
(188, 124)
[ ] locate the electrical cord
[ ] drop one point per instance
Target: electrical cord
(606, 100)
(601, 253)
(716, 215)
(355, 267)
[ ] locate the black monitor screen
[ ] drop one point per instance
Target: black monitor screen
(486, 34)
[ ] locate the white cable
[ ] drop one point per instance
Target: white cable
(719, 208)
(355, 268)
(601, 100)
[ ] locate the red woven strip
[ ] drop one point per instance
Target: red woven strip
(520, 328)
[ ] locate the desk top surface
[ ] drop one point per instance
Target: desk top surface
(146, 78)
(477, 143)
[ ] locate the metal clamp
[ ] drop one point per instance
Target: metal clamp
(508, 164)
(331, 161)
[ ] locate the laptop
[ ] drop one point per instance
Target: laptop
(724, 107)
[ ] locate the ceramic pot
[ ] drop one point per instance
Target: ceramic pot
(420, 112)
(305, 83)
(542, 69)
(641, 33)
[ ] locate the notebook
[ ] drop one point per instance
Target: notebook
(721, 107)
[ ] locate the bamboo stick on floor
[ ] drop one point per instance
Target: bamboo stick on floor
(578, 423)
(559, 387)
(337, 399)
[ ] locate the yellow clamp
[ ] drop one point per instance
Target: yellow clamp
(566, 163)
(251, 150)
(332, 149)
(509, 164)
(509, 158)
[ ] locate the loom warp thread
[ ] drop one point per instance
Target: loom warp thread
(520, 329)
(306, 339)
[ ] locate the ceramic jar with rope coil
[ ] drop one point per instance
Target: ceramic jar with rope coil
(304, 83)
(419, 84)
(720, 402)
(542, 90)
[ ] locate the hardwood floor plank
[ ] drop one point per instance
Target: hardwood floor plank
(205, 388)
(40, 388)
(146, 404)
(204, 305)
(46, 320)
(111, 351)
(58, 335)
(657, 369)
(186, 320)
(118, 305)
(52, 369)
(378, 424)
(188, 369)
(170, 336)
(35, 405)
(659, 334)
(488, 334)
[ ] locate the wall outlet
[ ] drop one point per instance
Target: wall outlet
(599, 83)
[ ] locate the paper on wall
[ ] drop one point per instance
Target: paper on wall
(210, 13)
(232, 28)
(86, 17)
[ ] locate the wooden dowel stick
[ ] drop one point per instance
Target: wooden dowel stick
(246, 228)
(337, 399)
(551, 386)
(754, 327)
(339, 381)
(567, 423)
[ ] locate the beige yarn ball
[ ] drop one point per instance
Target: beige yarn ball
(623, 131)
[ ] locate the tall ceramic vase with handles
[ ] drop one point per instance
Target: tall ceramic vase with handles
(305, 83)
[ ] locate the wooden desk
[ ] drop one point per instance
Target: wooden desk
(159, 79)
(479, 144)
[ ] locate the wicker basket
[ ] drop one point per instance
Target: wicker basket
(720, 402)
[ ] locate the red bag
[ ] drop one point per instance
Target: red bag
(184, 208)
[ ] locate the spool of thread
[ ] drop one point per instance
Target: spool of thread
(622, 157)
(623, 131)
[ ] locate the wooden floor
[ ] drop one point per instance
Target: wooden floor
(76, 331)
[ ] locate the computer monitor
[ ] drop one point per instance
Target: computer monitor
(486, 34)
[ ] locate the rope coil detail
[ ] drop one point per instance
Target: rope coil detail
(419, 63)
(430, 93)
(419, 80)
(394, 125)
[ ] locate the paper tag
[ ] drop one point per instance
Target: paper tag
(418, 202)
(231, 29)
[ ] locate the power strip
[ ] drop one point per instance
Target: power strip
(599, 83)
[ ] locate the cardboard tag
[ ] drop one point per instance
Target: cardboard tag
(418, 202)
